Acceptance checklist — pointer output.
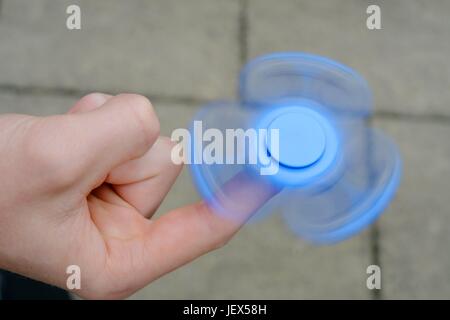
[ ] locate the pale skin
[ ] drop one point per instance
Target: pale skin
(81, 188)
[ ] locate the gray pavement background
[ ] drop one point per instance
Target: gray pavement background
(183, 53)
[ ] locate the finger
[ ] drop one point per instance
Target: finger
(144, 182)
(148, 166)
(89, 102)
(122, 129)
(187, 233)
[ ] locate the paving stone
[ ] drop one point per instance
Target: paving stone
(406, 62)
(156, 47)
(415, 232)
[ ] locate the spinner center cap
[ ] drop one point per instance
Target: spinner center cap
(302, 140)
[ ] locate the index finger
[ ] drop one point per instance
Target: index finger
(186, 233)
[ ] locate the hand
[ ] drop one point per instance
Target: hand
(81, 188)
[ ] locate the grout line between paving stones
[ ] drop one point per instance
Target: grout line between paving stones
(374, 232)
(376, 294)
(431, 117)
(78, 93)
(243, 31)
(195, 101)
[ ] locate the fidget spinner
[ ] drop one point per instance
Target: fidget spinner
(299, 127)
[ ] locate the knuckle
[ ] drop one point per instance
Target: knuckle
(90, 97)
(144, 115)
(88, 102)
(93, 98)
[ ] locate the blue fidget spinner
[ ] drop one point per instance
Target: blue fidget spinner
(300, 127)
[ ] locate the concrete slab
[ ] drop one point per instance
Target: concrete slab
(179, 48)
(415, 232)
(406, 62)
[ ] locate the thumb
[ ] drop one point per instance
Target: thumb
(86, 146)
(123, 128)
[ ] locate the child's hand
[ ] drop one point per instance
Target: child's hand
(78, 189)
